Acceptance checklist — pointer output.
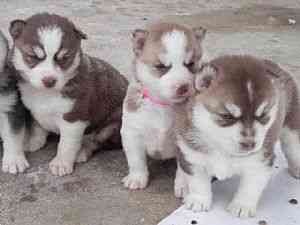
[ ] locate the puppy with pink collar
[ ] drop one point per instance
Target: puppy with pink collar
(167, 57)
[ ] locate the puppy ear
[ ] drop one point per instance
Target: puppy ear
(16, 28)
(205, 78)
(79, 34)
(139, 37)
(200, 33)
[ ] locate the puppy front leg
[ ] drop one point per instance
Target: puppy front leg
(180, 183)
(135, 151)
(70, 142)
(14, 160)
(199, 195)
(251, 187)
(290, 143)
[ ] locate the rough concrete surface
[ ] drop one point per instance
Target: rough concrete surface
(93, 195)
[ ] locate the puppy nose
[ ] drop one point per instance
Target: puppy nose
(248, 132)
(49, 82)
(183, 89)
(248, 146)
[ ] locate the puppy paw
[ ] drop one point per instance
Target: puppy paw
(14, 164)
(60, 167)
(135, 181)
(241, 210)
(197, 203)
(180, 187)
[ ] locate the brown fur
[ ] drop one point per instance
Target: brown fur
(99, 90)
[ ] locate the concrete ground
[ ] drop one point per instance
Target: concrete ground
(93, 195)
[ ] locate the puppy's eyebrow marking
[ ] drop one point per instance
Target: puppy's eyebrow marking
(250, 90)
(233, 109)
(260, 110)
(61, 53)
(39, 52)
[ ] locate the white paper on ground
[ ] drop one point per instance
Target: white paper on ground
(274, 207)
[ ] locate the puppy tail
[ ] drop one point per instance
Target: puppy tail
(3, 51)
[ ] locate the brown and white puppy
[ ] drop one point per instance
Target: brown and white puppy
(243, 105)
(166, 59)
(65, 90)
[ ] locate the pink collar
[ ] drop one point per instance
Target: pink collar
(157, 101)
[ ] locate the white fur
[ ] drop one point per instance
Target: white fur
(141, 137)
(291, 149)
(223, 160)
(261, 109)
(70, 142)
(50, 38)
(61, 53)
(252, 170)
(233, 109)
(180, 183)
(228, 139)
(14, 160)
(39, 52)
(175, 43)
(48, 108)
(250, 90)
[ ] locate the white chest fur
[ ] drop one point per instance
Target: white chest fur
(47, 106)
(154, 124)
(222, 165)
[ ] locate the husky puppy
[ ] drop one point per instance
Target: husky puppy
(242, 106)
(166, 59)
(67, 91)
